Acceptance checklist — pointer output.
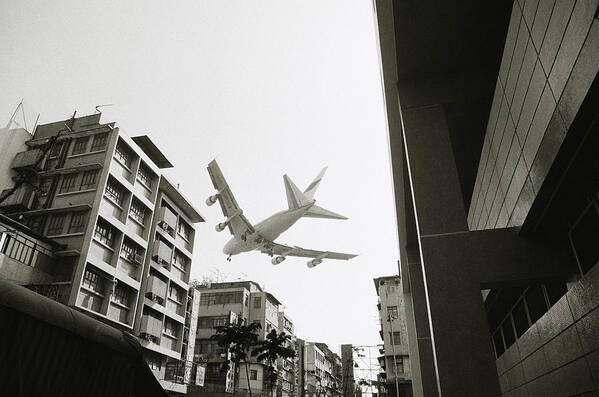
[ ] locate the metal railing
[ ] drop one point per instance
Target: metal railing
(21, 248)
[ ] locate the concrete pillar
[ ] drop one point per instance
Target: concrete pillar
(452, 264)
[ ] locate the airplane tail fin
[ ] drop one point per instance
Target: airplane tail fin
(296, 199)
(311, 189)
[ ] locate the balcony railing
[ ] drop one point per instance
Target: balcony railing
(25, 250)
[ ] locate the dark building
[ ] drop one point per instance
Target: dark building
(493, 118)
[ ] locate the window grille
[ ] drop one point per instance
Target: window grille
(88, 181)
(55, 225)
(80, 145)
(114, 191)
(138, 211)
(99, 141)
(104, 233)
(68, 183)
(93, 281)
(77, 222)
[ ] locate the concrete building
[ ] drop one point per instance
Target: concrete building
(320, 372)
(226, 303)
(347, 368)
(395, 359)
(122, 233)
(492, 112)
(287, 382)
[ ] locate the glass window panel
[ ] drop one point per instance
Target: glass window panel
(535, 300)
(520, 318)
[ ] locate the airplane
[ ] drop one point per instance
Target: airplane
(261, 236)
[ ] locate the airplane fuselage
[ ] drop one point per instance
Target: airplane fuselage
(269, 229)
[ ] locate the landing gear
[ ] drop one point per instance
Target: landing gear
(229, 258)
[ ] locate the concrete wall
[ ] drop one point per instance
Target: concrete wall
(550, 58)
(559, 354)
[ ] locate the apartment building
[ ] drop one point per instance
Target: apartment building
(123, 233)
(493, 121)
(225, 303)
(322, 370)
(395, 358)
(287, 367)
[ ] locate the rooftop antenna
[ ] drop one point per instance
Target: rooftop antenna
(100, 106)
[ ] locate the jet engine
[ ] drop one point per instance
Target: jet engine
(221, 226)
(277, 260)
(211, 200)
(314, 262)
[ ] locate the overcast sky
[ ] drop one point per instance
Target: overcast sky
(266, 88)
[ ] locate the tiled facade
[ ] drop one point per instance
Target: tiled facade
(549, 61)
(510, 91)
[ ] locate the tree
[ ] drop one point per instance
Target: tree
(238, 339)
(274, 346)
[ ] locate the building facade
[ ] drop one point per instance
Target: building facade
(227, 303)
(395, 358)
(492, 111)
(287, 382)
(122, 233)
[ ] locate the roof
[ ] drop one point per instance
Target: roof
(181, 201)
(378, 280)
(67, 351)
(151, 150)
(272, 297)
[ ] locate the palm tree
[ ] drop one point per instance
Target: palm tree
(237, 338)
(274, 346)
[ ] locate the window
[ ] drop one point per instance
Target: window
(80, 145)
(170, 328)
(88, 181)
(138, 211)
(221, 298)
(174, 294)
(508, 332)
(93, 281)
(55, 150)
(99, 141)
(520, 318)
(498, 343)
(68, 183)
(104, 233)
(398, 365)
(145, 175)
(583, 237)
(392, 313)
(77, 222)
(121, 295)
(395, 337)
(34, 223)
(535, 300)
(123, 154)
(257, 302)
(180, 260)
(44, 186)
(55, 224)
(129, 249)
(183, 229)
(253, 374)
(114, 191)
(154, 363)
(211, 322)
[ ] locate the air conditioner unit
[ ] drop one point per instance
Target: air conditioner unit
(166, 218)
(137, 258)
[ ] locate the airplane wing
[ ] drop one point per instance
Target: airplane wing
(238, 224)
(285, 250)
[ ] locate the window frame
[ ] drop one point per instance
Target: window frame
(89, 179)
(80, 145)
(99, 142)
(53, 227)
(68, 183)
(80, 226)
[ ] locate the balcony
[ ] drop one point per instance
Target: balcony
(151, 328)
(156, 289)
(167, 219)
(27, 159)
(161, 252)
(23, 199)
